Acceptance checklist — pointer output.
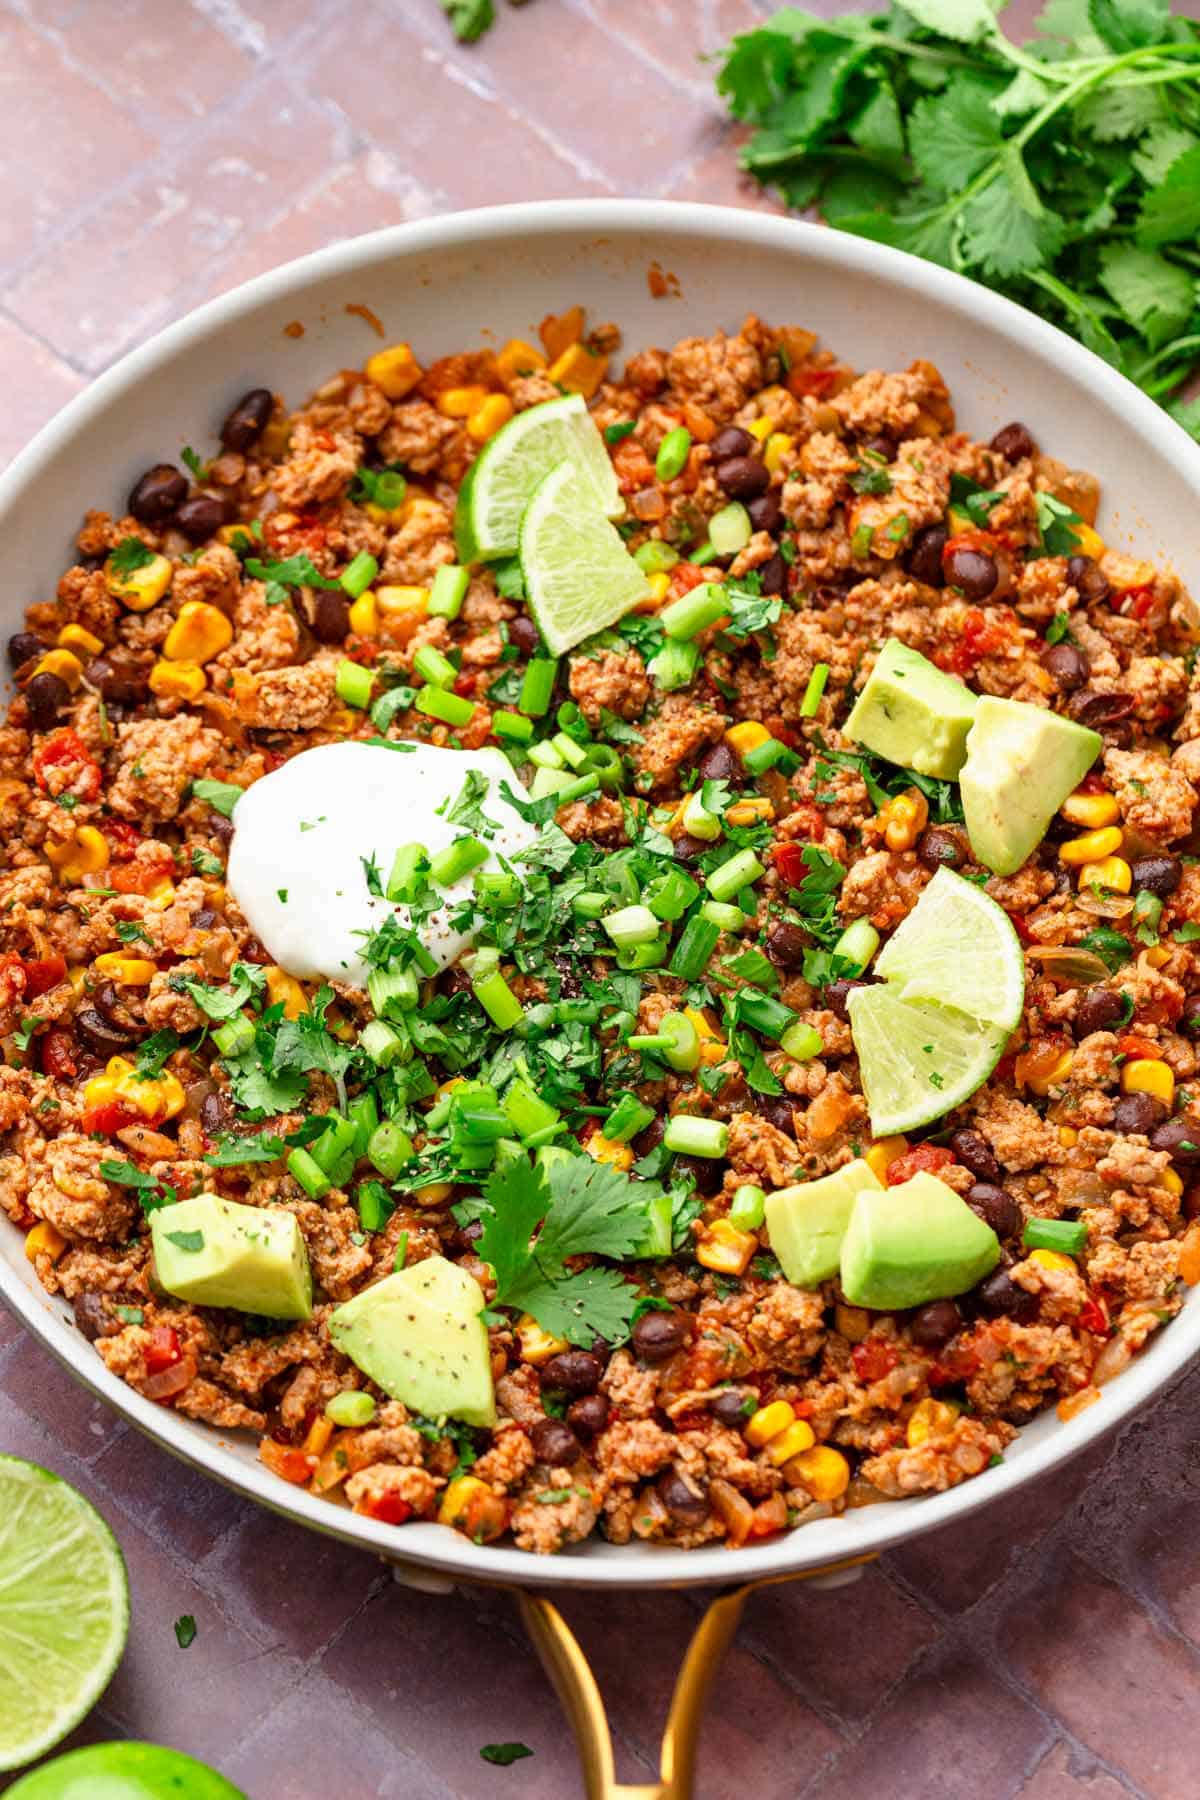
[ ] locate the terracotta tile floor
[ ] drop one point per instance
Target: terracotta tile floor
(156, 152)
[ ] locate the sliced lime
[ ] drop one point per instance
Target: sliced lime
(917, 1059)
(579, 577)
(957, 946)
(64, 1609)
(126, 1770)
(502, 479)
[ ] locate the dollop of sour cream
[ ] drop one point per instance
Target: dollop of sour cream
(305, 835)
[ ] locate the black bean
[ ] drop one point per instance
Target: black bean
(247, 421)
(838, 992)
(1090, 707)
(1013, 442)
(743, 477)
(330, 616)
(206, 918)
(685, 1505)
(1181, 1137)
(107, 1002)
(650, 1138)
(588, 1417)
(1139, 1113)
(933, 1325)
(996, 1207)
(155, 495)
(707, 1172)
(786, 944)
(924, 559)
(1097, 1010)
(1189, 1019)
(687, 849)
(772, 575)
(766, 514)
(220, 827)
(999, 1296)
(93, 1317)
(776, 1109)
(973, 572)
(733, 1406)
(214, 1113)
(23, 646)
(720, 764)
(881, 446)
(1087, 578)
(554, 1443)
(119, 682)
(98, 1036)
(1067, 666)
(732, 441)
(1159, 875)
(975, 1153)
(574, 1371)
(201, 517)
(939, 849)
(45, 697)
(524, 633)
(658, 1335)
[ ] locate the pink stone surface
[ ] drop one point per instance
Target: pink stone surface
(155, 152)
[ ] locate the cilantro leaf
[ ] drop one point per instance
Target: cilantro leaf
(504, 1754)
(1055, 521)
(750, 612)
(1170, 212)
(222, 796)
(305, 1044)
(151, 1193)
(517, 1199)
(293, 571)
(1156, 296)
(248, 982)
(469, 19)
(130, 555)
(153, 1052)
(594, 1209)
(509, 578)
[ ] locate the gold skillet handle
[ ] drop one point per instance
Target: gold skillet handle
(564, 1662)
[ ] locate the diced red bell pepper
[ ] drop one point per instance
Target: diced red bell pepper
(789, 862)
(465, 684)
(123, 838)
(980, 635)
(64, 750)
(931, 1158)
(1093, 1317)
(289, 1462)
(107, 1120)
(684, 577)
(163, 1350)
(956, 1363)
(1132, 1047)
(138, 877)
(1135, 602)
(810, 381)
(389, 1508)
(873, 1359)
(26, 978)
(58, 1055)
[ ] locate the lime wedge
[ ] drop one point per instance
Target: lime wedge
(917, 1059)
(64, 1609)
(579, 577)
(126, 1770)
(501, 480)
(958, 946)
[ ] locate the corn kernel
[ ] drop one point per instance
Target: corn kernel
(1068, 1137)
(1157, 956)
(1092, 847)
(394, 600)
(1113, 872)
(177, 680)
(162, 893)
(761, 428)
(81, 641)
(142, 588)
(434, 1194)
(199, 633)
(659, 586)
(364, 615)
(537, 1346)
(768, 1422)
(160, 1098)
(85, 852)
(64, 664)
(1171, 1181)
(1149, 1075)
(519, 358)
(488, 417)
(286, 990)
(747, 735)
(883, 1153)
(395, 370)
(792, 1441)
(127, 971)
(316, 1440)
(750, 811)
(777, 447)
(78, 979)
(458, 1497)
(929, 1418)
(1054, 1259)
(1091, 810)
(1088, 542)
(604, 1150)
(1057, 1072)
(853, 1322)
(713, 1048)
(578, 370)
(460, 402)
(101, 1090)
(725, 1249)
(904, 818)
(823, 1471)
(44, 1240)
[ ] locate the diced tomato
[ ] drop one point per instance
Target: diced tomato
(138, 877)
(389, 1508)
(1138, 1047)
(163, 1350)
(981, 636)
(111, 1118)
(62, 762)
(810, 381)
(58, 1055)
(789, 863)
(123, 838)
(1092, 783)
(780, 729)
(684, 577)
(1134, 602)
(956, 1363)
(466, 683)
(770, 1516)
(873, 1359)
(633, 467)
(1093, 1317)
(43, 973)
(288, 1462)
(932, 1158)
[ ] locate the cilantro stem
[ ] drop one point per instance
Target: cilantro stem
(1168, 351)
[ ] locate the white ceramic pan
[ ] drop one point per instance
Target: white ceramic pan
(488, 276)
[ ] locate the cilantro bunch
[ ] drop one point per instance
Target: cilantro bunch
(1065, 174)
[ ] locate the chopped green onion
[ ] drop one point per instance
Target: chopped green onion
(591, 904)
(387, 487)
(569, 750)
(382, 1043)
(764, 756)
(364, 1113)
(577, 789)
(626, 1119)
(438, 703)
(762, 1013)
(696, 944)
(675, 665)
(702, 554)
(643, 956)
(358, 575)
(730, 530)
(401, 1256)
(694, 611)
(1067, 1235)
(604, 762)
(669, 895)
(654, 557)
(480, 1120)
(682, 1051)
(545, 755)
(632, 925)
(512, 725)
(857, 945)
(726, 917)
(673, 453)
(234, 1037)
(338, 1136)
(375, 1205)
(527, 1112)
(308, 1172)
(747, 1208)
(431, 665)
(392, 991)
(801, 1042)
(448, 591)
(814, 691)
(548, 781)
(389, 1148)
(537, 689)
(741, 870)
(498, 1001)
(350, 1408)
(451, 864)
(498, 887)
(353, 684)
(687, 1135)
(698, 822)
(410, 866)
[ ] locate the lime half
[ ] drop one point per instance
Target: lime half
(126, 1770)
(958, 946)
(64, 1609)
(502, 479)
(579, 577)
(917, 1059)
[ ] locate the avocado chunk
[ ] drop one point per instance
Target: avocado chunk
(912, 714)
(420, 1335)
(1022, 762)
(219, 1253)
(914, 1242)
(808, 1222)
